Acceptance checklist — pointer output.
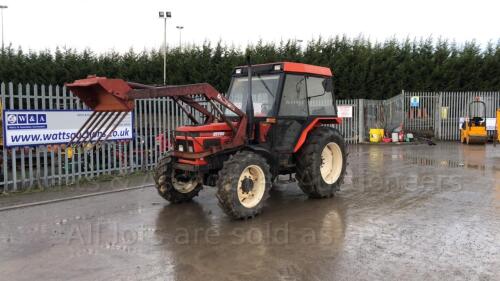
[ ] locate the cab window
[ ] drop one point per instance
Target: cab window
(320, 98)
(264, 89)
(293, 100)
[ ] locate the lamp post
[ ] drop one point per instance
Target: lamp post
(2, 7)
(180, 28)
(164, 16)
(299, 41)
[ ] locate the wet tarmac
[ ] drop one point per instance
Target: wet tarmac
(404, 213)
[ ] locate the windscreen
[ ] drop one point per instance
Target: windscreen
(264, 89)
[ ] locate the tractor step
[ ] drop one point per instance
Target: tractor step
(286, 181)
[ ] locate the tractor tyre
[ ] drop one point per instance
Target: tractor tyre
(175, 187)
(243, 184)
(321, 163)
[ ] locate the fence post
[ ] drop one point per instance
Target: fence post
(404, 108)
(4, 149)
(437, 126)
(13, 150)
(361, 120)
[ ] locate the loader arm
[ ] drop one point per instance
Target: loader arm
(112, 99)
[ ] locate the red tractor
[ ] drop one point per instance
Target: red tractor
(270, 123)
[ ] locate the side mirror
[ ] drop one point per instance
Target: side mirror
(328, 85)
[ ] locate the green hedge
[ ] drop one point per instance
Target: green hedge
(362, 69)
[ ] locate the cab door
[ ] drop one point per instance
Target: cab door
(303, 99)
(292, 114)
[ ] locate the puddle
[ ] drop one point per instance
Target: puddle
(443, 163)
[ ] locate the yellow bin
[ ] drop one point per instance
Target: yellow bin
(376, 135)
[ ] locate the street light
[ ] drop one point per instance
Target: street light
(164, 16)
(2, 7)
(180, 28)
(299, 41)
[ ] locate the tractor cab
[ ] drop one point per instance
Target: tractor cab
(283, 89)
(473, 130)
(286, 98)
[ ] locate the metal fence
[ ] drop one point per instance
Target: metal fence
(155, 120)
(454, 105)
(387, 114)
(47, 165)
(421, 118)
(437, 114)
(440, 113)
(350, 126)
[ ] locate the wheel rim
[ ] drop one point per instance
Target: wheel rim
(331, 163)
(184, 186)
(250, 198)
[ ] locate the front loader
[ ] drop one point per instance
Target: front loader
(273, 121)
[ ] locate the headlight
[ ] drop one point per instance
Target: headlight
(181, 147)
(190, 148)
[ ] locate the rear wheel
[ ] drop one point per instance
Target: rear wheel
(321, 163)
(176, 187)
(243, 185)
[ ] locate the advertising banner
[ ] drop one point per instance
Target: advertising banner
(42, 127)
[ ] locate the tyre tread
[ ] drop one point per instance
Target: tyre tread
(163, 182)
(307, 172)
(227, 184)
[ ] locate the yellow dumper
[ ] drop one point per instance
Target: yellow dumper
(473, 130)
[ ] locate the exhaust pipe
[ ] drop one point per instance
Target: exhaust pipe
(249, 107)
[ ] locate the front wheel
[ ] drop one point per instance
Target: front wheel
(321, 163)
(243, 185)
(175, 186)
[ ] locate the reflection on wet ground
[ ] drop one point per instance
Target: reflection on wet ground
(261, 247)
(404, 213)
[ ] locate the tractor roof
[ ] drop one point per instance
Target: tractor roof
(286, 67)
(306, 68)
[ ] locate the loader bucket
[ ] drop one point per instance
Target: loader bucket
(109, 100)
(103, 94)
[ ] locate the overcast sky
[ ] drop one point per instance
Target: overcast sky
(103, 25)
